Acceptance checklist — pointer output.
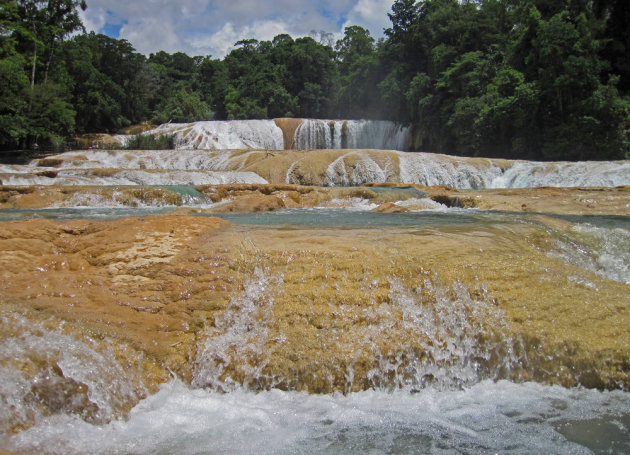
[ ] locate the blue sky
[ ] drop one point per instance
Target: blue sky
(211, 27)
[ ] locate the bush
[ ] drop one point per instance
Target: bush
(149, 142)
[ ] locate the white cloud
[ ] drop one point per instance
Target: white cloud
(152, 34)
(370, 14)
(93, 18)
(201, 27)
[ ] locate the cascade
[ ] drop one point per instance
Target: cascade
(232, 134)
(524, 174)
(336, 167)
(427, 328)
(350, 134)
(205, 299)
(273, 134)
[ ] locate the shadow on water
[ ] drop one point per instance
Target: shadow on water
(604, 435)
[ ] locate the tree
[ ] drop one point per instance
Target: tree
(182, 106)
(46, 22)
(13, 101)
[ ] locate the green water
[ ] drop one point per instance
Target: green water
(319, 217)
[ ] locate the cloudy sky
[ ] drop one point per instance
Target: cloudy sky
(211, 27)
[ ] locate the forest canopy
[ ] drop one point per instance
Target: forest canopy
(535, 79)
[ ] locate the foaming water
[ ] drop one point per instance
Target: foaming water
(47, 373)
(234, 353)
(429, 169)
(232, 134)
(183, 160)
(604, 250)
(328, 168)
(429, 356)
(350, 134)
(488, 417)
(525, 174)
(441, 336)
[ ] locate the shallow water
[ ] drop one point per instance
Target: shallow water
(468, 415)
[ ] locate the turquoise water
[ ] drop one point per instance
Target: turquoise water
(322, 217)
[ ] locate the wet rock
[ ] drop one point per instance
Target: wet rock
(251, 204)
(390, 207)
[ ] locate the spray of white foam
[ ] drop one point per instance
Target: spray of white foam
(488, 417)
(604, 251)
(46, 373)
(350, 204)
(234, 351)
(464, 338)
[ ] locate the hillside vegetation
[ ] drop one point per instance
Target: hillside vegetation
(534, 79)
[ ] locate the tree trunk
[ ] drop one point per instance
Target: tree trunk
(34, 65)
(49, 60)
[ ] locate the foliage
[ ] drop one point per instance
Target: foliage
(150, 142)
(510, 78)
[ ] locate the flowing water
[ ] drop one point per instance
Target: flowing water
(324, 167)
(450, 397)
(328, 329)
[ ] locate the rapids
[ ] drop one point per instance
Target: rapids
(306, 167)
(244, 293)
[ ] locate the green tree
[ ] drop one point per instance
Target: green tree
(13, 101)
(183, 106)
(358, 74)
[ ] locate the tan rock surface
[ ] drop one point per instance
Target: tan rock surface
(244, 198)
(169, 288)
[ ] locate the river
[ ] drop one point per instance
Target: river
(168, 319)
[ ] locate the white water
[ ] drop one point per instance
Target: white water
(525, 174)
(265, 134)
(135, 177)
(455, 412)
(446, 405)
(461, 173)
(222, 135)
(44, 371)
(350, 134)
(604, 251)
(183, 160)
(181, 167)
(489, 417)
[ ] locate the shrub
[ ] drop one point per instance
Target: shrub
(149, 142)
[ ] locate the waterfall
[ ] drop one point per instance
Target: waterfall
(231, 134)
(337, 167)
(524, 174)
(350, 134)
(268, 135)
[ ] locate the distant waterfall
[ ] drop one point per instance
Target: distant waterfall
(524, 174)
(279, 134)
(222, 135)
(350, 134)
